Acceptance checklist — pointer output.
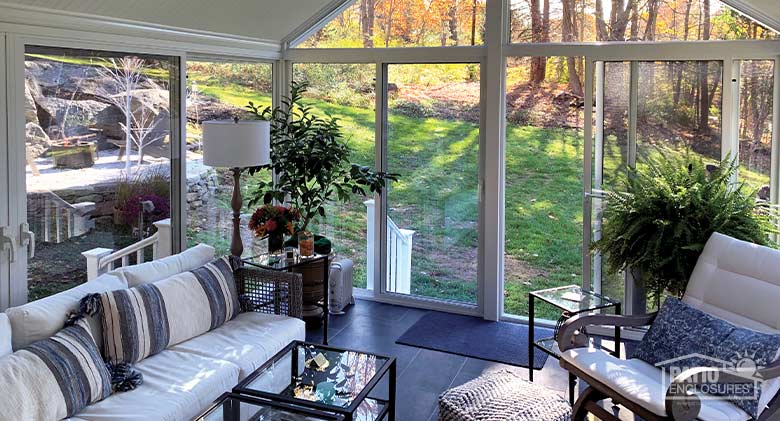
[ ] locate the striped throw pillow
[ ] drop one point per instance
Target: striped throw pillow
(142, 321)
(54, 378)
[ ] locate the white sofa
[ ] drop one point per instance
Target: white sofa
(179, 382)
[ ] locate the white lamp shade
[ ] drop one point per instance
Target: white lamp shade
(227, 144)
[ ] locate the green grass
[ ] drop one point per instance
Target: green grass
(437, 197)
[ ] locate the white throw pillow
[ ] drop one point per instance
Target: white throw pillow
(5, 336)
(166, 267)
(41, 319)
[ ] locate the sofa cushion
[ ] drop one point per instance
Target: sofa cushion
(54, 378)
(142, 321)
(166, 267)
(5, 335)
(643, 384)
(43, 318)
(247, 341)
(177, 386)
(680, 331)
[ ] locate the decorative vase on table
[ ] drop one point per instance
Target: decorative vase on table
(274, 222)
(275, 243)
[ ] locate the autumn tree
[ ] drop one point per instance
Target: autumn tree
(367, 22)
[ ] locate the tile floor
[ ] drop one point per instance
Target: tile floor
(422, 374)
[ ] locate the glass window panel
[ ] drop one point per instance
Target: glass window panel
(755, 124)
(543, 196)
(98, 150)
(403, 23)
(433, 144)
(218, 91)
(346, 92)
(652, 20)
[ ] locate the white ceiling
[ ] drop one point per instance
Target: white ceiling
(259, 19)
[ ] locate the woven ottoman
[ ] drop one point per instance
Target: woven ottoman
(500, 396)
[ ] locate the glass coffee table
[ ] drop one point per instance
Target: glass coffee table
(233, 407)
(325, 380)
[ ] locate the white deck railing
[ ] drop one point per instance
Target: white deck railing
(399, 254)
(102, 260)
(60, 220)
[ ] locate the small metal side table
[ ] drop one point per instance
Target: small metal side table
(589, 302)
(282, 264)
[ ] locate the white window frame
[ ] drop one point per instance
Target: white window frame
(492, 57)
(103, 35)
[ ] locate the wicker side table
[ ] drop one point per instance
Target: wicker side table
(502, 396)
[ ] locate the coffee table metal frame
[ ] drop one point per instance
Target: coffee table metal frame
(388, 368)
(232, 412)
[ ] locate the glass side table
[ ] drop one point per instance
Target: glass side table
(280, 263)
(571, 300)
(234, 407)
(325, 380)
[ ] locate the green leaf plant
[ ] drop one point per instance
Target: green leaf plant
(310, 160)
(667, 211)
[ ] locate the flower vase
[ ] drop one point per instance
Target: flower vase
(275, 243)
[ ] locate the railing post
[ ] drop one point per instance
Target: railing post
(369, 244)
(93, 262)
(165, 247)
(404, 262)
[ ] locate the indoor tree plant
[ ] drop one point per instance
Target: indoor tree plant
(310, 160)
(667, 211)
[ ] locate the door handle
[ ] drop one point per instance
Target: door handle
(8, 242)
(28, 239)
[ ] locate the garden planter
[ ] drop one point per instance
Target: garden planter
(73, 156)
(312, 291)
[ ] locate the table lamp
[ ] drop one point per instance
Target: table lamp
(236, 144)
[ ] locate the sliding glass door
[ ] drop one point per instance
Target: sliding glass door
(648, 111)
(433, 145)
(7, 240)
(95, 142)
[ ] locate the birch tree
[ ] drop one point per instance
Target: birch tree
(126, 74)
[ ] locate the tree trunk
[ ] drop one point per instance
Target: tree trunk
(601, 25)
(538, 64)
(652, 19)
(474, 23)
(367, 22)
(686, 31)
(452, 23)
(568, 28)
(704, 97)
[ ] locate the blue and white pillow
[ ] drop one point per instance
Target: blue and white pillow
(143, 321)
(65, 371)
(681, 331)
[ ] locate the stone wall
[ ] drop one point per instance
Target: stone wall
(200, 192)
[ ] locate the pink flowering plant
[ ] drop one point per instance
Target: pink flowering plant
(274, 220)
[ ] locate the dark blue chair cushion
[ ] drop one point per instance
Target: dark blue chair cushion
(683, 337)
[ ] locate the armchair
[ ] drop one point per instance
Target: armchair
(733, 280)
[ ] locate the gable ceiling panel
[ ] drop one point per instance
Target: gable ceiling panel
(764, 11)
(259, 19)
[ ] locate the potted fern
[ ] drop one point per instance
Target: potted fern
(658, 225)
